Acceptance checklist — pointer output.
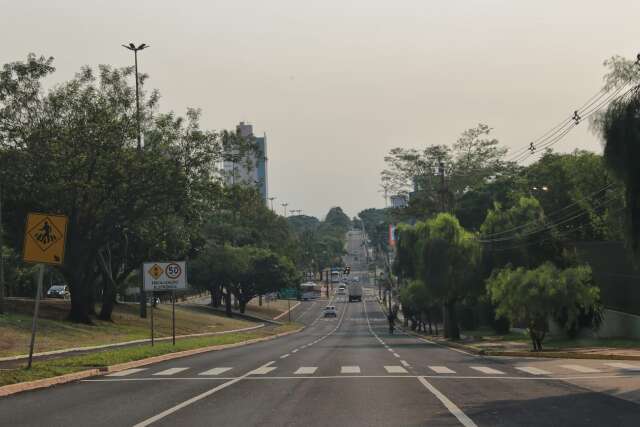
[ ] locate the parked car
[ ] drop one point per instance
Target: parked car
(330, 311)
(59, 291)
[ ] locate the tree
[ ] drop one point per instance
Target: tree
(621, 132)
(449, 265)
(533, 296)
(338, 219)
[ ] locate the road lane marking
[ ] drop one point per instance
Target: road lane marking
(127, 372)
(263, 370)
(294, 351)
(284, 356)
(171, 371)
(194, 399)
(487, 370)
(346, 377)
(395, 370)
(625, 366)
(306, 370)
(441, 370)
(580, 368)
(396, 355)
(350, 370)
(532, 370)
(215, 371)
(405, 363)
(455, 411)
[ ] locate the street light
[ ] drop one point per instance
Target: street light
(132, 47)
(284, 205)
(271, 199)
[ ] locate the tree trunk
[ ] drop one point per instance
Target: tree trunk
(451, 329)
(260, 300)
(227, 302)
(242, 304)
(108, 298)
(79, 302)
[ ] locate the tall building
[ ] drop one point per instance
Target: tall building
(250, 169)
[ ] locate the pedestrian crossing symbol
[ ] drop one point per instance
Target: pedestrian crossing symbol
(156, 271)
(44, 238)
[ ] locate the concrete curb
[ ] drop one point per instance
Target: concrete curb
(286, 312)
(543, 354)
(10, 389)
(125, 343)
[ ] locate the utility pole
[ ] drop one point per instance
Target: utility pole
(443, 191)
(271, 199)
(284, 205)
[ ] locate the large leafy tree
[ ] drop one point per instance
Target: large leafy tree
(533, 296)
(621, 132)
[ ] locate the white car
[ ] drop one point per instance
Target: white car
(330, 311)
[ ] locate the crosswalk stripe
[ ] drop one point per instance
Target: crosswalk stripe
(306, 370)
(487, 370)
(127, 372)
(623, 366)
(441, 370)
(262, 371)
(395, 370)
(171, 371)
(350, 370)
(532, 370)
(579, 368)
(215, 371)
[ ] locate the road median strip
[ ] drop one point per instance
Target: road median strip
(74, 376)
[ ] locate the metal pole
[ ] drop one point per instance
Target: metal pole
(152, 310)
(289, 304)
(34, 323)
(173, 316)
(135, 55)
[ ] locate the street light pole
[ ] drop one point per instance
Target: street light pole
(271, 199)
(284, 205)
(132, 47)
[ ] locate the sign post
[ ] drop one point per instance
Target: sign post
(165, 276)
(152, 299)
(44, 240)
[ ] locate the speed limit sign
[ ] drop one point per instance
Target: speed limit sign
(164, 276)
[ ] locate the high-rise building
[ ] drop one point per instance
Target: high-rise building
(249, 169)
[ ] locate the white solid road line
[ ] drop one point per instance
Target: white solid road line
(395, 370)
(306, 370)
(194, 399)
(215, 371)
(170, 371)
(127, 372)
(487, 370)
(455, 411)
(441, 370)
(350, 370)
(263, 370)
(579, 368)
(532, 370)
(625, 366)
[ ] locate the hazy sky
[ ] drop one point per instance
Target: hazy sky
(336, 83)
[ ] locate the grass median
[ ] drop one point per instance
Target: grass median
(66, 365)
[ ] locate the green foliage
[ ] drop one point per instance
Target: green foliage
(338, 219)
(621, 132)
(533, 296)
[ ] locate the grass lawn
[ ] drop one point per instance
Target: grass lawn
(54, 332)
(51, 368)
(268, 309)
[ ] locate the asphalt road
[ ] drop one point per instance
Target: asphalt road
(344, 371)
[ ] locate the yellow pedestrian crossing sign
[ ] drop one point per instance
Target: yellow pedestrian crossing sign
(44, 238)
